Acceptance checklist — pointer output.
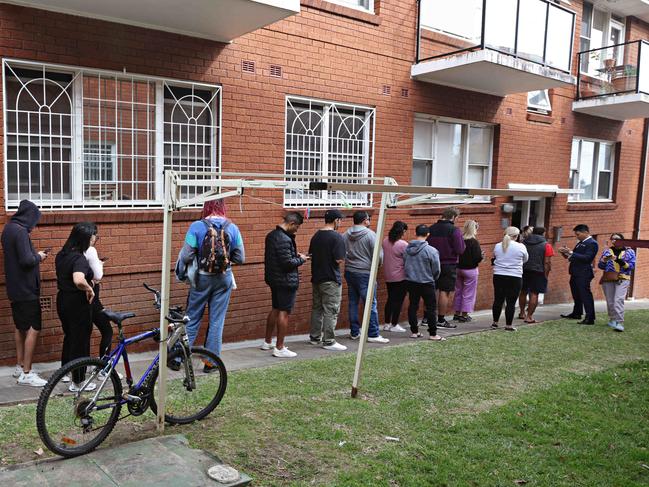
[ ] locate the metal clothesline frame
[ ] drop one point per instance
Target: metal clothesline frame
(226, 184)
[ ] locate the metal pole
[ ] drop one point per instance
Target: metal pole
(369, 298)
(164, 299)
(418, 45)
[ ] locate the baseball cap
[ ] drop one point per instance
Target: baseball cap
(331, 215)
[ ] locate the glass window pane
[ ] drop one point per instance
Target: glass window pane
(604, 185)
(600, 20)
(586, 19)
(531, 29)
(423, 143)
(480, 145)
(448, 170)
(559, 47)
(574, 155)
(605, 153)
(586, 169)
(421, 173)
(461, 18)
(500, 24)
(539, 99)
(476, 177)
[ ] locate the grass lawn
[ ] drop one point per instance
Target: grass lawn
(555, 404)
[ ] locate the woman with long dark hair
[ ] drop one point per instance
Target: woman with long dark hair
(74, 298)
(395, 276)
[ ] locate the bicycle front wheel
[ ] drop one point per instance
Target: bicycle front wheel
(185, 404)
(74, 417)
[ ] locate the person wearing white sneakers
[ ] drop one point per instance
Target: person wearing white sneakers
(281, 262)
(395, 276)
(23, 283)
(327, 251)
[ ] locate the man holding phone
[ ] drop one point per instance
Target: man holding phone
(23, 282)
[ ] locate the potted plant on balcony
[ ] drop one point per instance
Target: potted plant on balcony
(625, 79)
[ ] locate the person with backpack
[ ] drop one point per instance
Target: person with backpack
(281, 262)
(212, 245)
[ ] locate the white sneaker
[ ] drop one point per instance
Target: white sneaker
(397, 329)
(335, 347)
(18, 371)
(77, 387)
(283, 353)
(378, 339)
(31, 379)
(386, 327)
(267, 346)
(66, 378)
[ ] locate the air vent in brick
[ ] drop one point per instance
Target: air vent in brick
(386, 89)
(46, 303)
(275, 71)
(405, 92)
(248, 66)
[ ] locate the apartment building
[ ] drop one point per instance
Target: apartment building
(99, 98)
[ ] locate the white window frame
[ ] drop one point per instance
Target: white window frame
(534, 107)
(323, 198)
(610, 22)
(355, 5)
(111, 154)
(155, 151)
(595, 171)
(466, 130)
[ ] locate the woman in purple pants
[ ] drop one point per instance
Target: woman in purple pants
(466, 283)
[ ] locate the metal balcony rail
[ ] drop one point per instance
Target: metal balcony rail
(613, 70)
(538, 31)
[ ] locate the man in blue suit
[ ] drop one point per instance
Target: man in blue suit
(581, 273)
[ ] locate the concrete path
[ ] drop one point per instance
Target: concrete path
(245, 355)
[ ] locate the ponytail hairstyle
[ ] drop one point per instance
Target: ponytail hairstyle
(397, 231)
(511, 233)
(470, 229)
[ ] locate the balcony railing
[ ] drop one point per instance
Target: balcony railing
(538, 31)
(614, 70)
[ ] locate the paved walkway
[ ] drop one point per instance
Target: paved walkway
(245, 355)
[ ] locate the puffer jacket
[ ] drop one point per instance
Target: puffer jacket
(281, 260)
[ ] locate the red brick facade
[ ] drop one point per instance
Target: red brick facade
(326, 52)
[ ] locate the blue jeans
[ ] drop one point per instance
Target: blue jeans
(212, 290)
(356, 292)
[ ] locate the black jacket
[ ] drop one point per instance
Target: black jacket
(281, 260)
(535, 245)
(22, 262)
(472, 255)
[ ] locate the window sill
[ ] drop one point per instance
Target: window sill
(477, 208)
(539, 118)
(320, 212)
(117, 215)
(592, 205)
(336, 9)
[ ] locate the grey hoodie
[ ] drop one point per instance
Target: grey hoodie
(359, 246)
(421, 262)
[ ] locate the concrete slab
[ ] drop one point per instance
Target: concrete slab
(166, 460)
(246, 355)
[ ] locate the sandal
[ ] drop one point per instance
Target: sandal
(416, 335)
(437, 338)
(510, 328)
(494, 325)
(531, 322)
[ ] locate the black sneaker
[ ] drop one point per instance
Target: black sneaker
(446, 324)
(209, 368)
(458, 318)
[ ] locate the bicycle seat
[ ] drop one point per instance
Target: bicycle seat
(117, 317)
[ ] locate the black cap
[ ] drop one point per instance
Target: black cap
(331, 215)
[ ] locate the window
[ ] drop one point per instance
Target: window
(78, 138)
(452, 153)
(591, 169)
(600, 29)
(366, 5)
(539, 101)
(328, 139)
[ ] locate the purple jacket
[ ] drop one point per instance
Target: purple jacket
(448, 241)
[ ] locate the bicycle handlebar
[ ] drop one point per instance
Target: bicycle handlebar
(175, 312)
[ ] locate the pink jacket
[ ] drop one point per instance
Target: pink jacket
(393, 260)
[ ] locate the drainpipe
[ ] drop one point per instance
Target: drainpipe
(640, 197)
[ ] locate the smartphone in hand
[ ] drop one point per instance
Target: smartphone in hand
(103, 259)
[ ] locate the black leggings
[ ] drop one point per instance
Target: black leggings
(75, 313)
(506, 288)
(416, 292)
(396, 294)
(102, 323)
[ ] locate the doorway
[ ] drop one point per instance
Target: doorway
(529, 212)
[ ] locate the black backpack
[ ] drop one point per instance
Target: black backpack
(214, 253)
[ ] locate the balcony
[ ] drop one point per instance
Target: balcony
(625, 8)
(219, 20)
(498, 47)
(613, 81)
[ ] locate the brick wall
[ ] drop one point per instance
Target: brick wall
(325, 52)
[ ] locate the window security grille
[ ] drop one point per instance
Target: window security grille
(328, 139)
(79, 138)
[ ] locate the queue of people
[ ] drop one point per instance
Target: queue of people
(439, 260)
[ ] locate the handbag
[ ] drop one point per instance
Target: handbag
(610, 276)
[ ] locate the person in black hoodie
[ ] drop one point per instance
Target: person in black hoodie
(535, 272)
(281, 260)
(23, 282)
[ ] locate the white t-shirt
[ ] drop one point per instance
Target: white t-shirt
(510, 263)
(96, 265)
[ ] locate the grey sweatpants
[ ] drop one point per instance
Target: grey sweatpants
(326, 305)
(615, 293)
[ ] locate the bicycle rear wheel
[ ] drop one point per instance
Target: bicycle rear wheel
(185, 405)
(72, 423)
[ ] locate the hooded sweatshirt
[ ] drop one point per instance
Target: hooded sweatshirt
(22, 262)
(421, 262)
(535, 245)
(359, 246)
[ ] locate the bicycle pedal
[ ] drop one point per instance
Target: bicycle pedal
(130, 397)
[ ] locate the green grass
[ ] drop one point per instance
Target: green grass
(556, 404)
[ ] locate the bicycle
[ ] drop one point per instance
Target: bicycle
(74, 419)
